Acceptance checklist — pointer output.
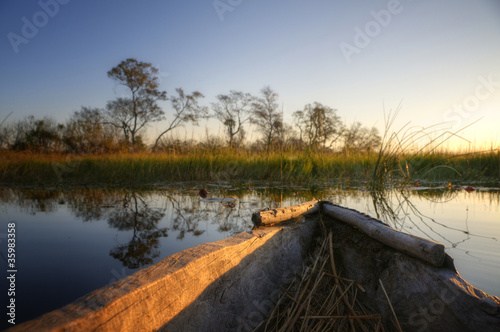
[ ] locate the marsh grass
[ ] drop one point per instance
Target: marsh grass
(289, 167)
(197, 166)
(413, 154)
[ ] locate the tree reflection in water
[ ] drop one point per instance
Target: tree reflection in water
(136, 215)
(190, 211)
(186, 217)
(149, 215)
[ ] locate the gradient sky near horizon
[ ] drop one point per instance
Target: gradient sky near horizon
(439, 59)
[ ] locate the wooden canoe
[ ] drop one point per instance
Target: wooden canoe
(235, 284)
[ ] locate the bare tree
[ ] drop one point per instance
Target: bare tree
(267, 117)
(6, 134)
(318, 124)
(42, 135)
(233, 111)
(361, 139)
(134, 113)
(86, 131)
(289, 137)
(137, 216)
(186, 109)
(130, 117)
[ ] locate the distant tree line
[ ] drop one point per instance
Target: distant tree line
(121, 124)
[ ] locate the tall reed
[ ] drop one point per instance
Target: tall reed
(411, 154)
(288, 167)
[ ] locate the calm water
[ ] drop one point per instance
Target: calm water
(70, 242)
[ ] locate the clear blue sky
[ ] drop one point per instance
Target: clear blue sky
(440, 58)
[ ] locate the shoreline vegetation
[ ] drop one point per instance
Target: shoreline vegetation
(228, 165)
(107, 147)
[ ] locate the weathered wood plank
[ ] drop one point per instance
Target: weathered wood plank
(274, 216)
(236, 273)
(427, 250)
(241, 299)
(154, 295)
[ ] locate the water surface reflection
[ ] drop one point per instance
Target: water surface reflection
(71, 242)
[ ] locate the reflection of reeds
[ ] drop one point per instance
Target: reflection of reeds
(396, 208)
(321, 300)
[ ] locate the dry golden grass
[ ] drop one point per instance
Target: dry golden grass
(321, 300)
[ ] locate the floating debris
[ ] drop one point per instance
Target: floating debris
(203, 193)
(469, 189)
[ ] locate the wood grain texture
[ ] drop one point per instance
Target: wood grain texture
(238, 274)
(424, 297)
(427, 250)
(274, 216)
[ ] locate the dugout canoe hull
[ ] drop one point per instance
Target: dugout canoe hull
(233, 284)
(227, 285)
(424, 297)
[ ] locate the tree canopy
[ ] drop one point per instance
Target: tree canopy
(267, 117)
(186, 109)
(318, 125)
(233, 110)
(121, 124)
(133, 113)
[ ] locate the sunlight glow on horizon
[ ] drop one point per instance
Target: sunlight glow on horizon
(439, 60)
